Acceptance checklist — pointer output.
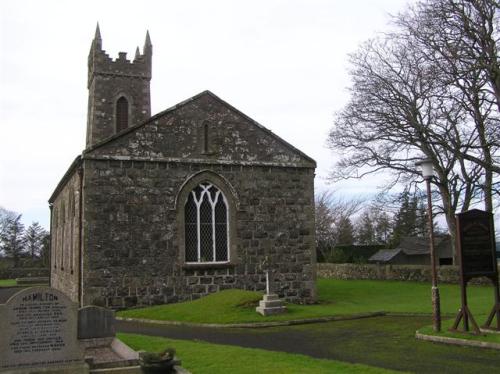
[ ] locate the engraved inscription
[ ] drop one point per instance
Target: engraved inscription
(37, 323)
(478, 252)
(38, 329)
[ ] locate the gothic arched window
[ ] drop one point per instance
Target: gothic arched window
(121, 114)
(206, 225)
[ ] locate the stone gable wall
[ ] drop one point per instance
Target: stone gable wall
(64, 262)
(179, 135)
(131, 250)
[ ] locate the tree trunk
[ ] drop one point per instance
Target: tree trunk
(449, 212)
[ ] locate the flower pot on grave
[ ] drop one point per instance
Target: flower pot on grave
(156, 363)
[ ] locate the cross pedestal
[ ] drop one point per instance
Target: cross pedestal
(271, 303)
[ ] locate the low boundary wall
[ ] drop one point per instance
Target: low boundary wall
(13, 273)
(413, 273)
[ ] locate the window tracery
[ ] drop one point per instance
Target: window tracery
(206, 225)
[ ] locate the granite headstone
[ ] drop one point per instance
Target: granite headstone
(95, 322)
(39, 329)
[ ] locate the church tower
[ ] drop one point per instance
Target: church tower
(119, 94)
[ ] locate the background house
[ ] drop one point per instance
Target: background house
(416, 251)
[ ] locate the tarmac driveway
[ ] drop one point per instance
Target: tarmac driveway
(386, 342)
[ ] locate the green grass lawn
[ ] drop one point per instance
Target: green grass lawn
(447, 324)
(380, 343)
(206, 358)
(7, 282)
(336, 297)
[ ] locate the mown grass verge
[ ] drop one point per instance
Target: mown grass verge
(205, 358)
(446, 325)
(336, 297)
(8, 282)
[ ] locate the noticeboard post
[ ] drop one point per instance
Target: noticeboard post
(477, 254)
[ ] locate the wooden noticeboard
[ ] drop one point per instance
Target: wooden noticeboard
(476, 241)
(477, 254)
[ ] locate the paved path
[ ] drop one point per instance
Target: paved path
(281, 340)
(387, 342)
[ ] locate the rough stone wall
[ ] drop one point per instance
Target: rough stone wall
(132, 255)
(64, 264)
(414, 273)
(178, 135)
(104, 93)
(108, 80)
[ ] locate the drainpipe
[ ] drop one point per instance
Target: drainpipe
(50, 245)
(80, 236)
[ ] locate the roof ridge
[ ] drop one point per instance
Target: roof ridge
(265, 129)
(69, 172)
(189, 100)
(139, 125)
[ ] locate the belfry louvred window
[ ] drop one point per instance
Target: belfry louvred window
(206, 225)
(121, 114)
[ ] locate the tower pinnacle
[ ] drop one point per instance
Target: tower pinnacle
(119, 90)
(97, 37)
(148, 47)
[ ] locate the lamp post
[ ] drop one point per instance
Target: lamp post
(427, 173)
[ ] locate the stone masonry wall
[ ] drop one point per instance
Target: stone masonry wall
(109, 79)
(132, 255)
(414, 273)
(64, 264)
(103, 94)
(178, 134)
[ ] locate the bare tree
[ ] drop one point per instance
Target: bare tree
(34, 236)
(332, 211)
(6, 219)
(460, 38)
(12, 238)
(365, 229)
(5, 216)
(45, 253)
(397, 107)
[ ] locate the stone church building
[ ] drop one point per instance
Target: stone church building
(177, 205)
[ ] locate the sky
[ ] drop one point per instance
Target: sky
(283, 63)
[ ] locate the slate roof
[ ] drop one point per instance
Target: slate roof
(384, 255)
(415, 246)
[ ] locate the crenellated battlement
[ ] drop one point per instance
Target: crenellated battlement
(119, 93)
(101, 63)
